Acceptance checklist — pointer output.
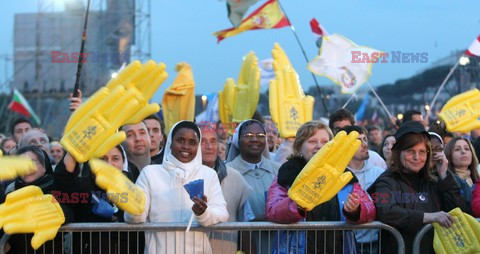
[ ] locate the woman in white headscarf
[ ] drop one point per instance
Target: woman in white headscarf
(248, 154)
(166, 200)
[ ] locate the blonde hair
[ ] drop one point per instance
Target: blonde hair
(307, 130)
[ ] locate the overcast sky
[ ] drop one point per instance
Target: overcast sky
(182, 31)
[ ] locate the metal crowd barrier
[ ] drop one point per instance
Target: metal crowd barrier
(222, 238)
(420, 234)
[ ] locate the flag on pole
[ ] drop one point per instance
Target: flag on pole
(20, 105)
(266, 72)
(474, 49)
(344, 62)
(361, 110)
(268, 16)
(317, 29)
(237, 8)
(374, 116)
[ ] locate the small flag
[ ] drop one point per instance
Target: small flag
(268, 16)
(317, 29)
(361, 110)
(474, 49)
(20, 105)
(237, 8)
(374, 116)
(266, 72)
(344, 62)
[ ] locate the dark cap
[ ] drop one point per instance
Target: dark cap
(410, 127)
(435, 135)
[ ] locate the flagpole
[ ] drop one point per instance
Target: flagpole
(306, 58)
(381, 102)
(441, 87)
(81, 57)
(350, 99)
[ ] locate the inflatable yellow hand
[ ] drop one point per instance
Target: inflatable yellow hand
(462, 237)
(223, 112)
(323, 176)
(113, 181)
(243, 97)
(461, 112)
(178, 101)
(91, 131)
(13, 166)
(289, 107)
(27, 210)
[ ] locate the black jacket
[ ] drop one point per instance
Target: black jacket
(82, 183)
(21, 243)
(402, 199)
(158, 158)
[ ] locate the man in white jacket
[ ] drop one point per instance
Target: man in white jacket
(366, 173)
(167, 200)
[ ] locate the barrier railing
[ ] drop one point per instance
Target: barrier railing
(249, 237)
(420, 234)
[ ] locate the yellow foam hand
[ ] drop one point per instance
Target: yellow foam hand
(28, 210)
(289, 107)
(91, 131)
(13, 166)
(462, 237)
(461, 112)
(246, 93)
(226, 99)
(178, 101)
(113, 181)
(223, 112)
(323, 176)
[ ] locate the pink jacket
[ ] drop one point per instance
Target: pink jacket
(476, 200)
(281, 209)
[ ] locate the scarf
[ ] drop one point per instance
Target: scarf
(289, 171)
(465, 174)
(182, 170)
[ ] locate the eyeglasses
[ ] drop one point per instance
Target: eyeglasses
(411, 152)
(437, 149)
(250, 135)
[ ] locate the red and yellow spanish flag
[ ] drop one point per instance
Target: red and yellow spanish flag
(267, 16)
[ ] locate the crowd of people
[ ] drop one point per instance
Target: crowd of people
(405, 177)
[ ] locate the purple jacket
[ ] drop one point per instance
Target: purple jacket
(281, 209)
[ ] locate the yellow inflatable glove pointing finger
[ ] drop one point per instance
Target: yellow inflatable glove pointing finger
(13, 166)
(462, 237)
(113, 181)
(461, 112)
(223, 112)
(289, 107)
(178, 101)
(91, 131)
(28, 210)
(323, 176)
(243, 97)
